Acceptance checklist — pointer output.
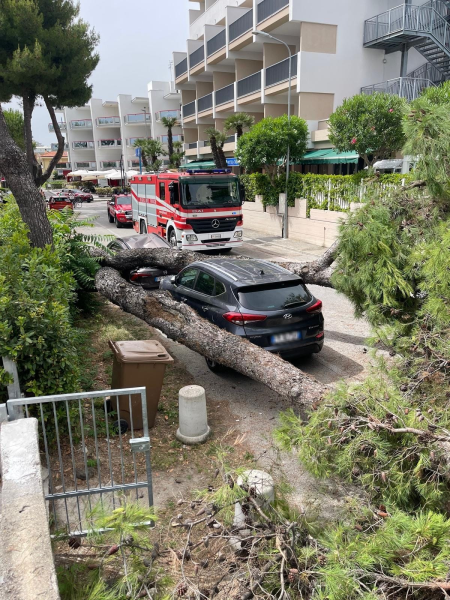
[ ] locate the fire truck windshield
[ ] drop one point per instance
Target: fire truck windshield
(210, 194)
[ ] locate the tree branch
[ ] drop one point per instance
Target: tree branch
(43, 177)
(28, 107)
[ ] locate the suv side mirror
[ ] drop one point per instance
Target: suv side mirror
(174, 193)
(173, 280)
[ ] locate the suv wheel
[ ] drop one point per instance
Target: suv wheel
(214, 366)
(173, 239)
(110, 217)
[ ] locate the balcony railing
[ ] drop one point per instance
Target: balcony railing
(181, 68)
(86, 165)
(110, 143)
(175, 138)
(249, 85)
(82, 124)
(133, 164)
(404, 87)
(241, 26)
(279, 72)
(189, 110)
(205, 103)
(62, 126)
(267, 8)
(138, 119)
(168, 114)
(63, 165)
(109, 164)
(230, 139)
(83, 145)
(108, 121)
(225, 94)
(54, 147)
(216, 43)
(192, 145)
(206, 143)
(197, 56)
(427, 71)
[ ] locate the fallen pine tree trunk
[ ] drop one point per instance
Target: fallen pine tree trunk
(182, 324)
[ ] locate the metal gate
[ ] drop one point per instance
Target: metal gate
(91, 452)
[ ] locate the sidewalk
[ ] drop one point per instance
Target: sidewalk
(256, 245)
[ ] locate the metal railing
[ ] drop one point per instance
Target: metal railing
(138, 118)
(240, 26)
(81, 124)
(86, 451)
(105, 121)
(86, 165)
(189, 109)
(267, 8)
(427, 71)
(196, 57)
(249, 85)
(181, 68)
(168, 114)
(110, 143)
(205, 102)
(176, 138)
(192, 145)
(62, 126)
(225, 94)
(110, 164)
(216, 43)
(230, 139)
(83, 145)
(279, 72)
(404, 87)
(54, 147)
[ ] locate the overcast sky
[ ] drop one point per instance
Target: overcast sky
(137, 38)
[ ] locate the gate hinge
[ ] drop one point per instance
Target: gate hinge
(140, 444)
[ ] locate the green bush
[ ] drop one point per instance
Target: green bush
(104, 191)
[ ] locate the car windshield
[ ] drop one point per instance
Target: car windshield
(123, 199)
(210, 194)
(278, 296)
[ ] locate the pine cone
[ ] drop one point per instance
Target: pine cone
(182, 588)
(293, 575)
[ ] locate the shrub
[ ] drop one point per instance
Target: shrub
(104, 191)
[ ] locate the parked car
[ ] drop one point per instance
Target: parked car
(60, 201)
(255, 299)
(146, 277)
(119, 210)
(80, 195)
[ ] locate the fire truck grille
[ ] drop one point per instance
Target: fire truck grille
(210, 225)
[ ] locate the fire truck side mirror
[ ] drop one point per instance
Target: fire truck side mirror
(174, 194)
(241, 193)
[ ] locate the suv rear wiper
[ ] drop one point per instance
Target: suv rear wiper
(291, 304)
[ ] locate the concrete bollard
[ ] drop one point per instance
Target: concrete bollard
(262, 488)
(193, 421)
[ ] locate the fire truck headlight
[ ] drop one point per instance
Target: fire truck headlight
(237, 234)
(191, 237)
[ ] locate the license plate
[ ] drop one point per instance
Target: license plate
(283, 338)
(216, 236)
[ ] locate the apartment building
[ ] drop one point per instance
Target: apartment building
(339, 48)
(100, 136)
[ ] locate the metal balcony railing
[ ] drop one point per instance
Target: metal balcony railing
(138, 118)
(427, 71)
(110, 143)
(108, 121)
(83, 145)
(181, 68)
(81, 124)
(216, 43)
(197, 57)
(230, 139)
(86, 165)
(189, 109)
(404, 87)
(54, 147)
(249, 85)
(241, 26)
(192, 145)
(267, 8)
(279, 72)
(175, 138)
(205, 102)
(62, 126)
(109, 164)
(225, 94)
(168, 114)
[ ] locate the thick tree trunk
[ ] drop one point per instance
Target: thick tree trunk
(28, 107)
(170, 142)
(182, 324)
(318, 271)
(214, 152)
(221, 155)
(55, 160)
(15, 168)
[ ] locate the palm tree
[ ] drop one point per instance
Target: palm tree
(169, 123)
(151, 150)
(178, 154)
(238, 122)
(217, 140)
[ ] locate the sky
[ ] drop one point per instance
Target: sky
(137, 38)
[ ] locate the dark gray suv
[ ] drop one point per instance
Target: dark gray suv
(255, 299)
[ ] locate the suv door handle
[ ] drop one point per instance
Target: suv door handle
(205, 308)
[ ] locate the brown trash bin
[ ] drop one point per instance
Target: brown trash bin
(138, 364)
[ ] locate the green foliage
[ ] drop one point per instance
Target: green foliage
(438, 95)
(178, 154)
(104, 192)
(265, 145)
(151, 151)
(369, 125)
(15, 123)
(238, 122)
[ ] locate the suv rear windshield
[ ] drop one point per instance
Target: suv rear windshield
(275, 296)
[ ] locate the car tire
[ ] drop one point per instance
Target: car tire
(173, 238)
(110, 217)
(118, 225)
(214, 366)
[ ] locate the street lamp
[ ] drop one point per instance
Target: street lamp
(285, 216)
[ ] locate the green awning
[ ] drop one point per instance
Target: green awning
(329, 156)
(207, 164)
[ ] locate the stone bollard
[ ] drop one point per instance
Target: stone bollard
(193, 427)
(262, 488)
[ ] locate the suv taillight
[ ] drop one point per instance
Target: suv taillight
(243, 319)
(315, 308)
(139, 276)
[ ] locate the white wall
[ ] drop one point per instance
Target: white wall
(144, 130)
(105, 133)
(211, 16)
(76, 156)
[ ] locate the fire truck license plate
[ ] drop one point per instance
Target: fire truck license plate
(216, 236)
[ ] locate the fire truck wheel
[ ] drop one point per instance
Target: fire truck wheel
(173, 239)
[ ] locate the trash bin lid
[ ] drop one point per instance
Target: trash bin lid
(144, 351)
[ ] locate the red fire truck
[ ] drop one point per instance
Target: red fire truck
(199, 210)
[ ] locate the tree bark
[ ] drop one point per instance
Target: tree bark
(170, 142)
(214, 151)
(319, 271)
(28, 107)
(55, 160)
(221, 156)
(15, 168)
(182, 324)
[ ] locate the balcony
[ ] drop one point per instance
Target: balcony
(240, 26)
(168, 114)
(83, 145)
(62, 126)
(279, 72)
(249, 85)
(191, 149)
(110, 164)
(54, 147)
(191, 145)
(164, 139)
(63, 165)
(81, 124)
(205, 103)
(225, 94)
(216, 43)
(131, 141)
(86, 165)
(133, 164)
(138, 119)
(405, 87)
(197, 57)
(110, 143)
(181, 68)
(108, 122)
(189, 110)
(322, 133)
(267, 8)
